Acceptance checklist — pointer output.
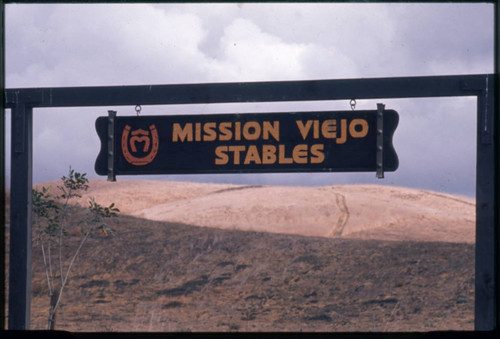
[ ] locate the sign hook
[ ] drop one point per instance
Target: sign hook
(138, 109)
(352, 102)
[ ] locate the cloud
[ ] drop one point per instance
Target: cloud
(443, 38)
(114, 44)
(251, 54)
(105, 45)
(54, 45)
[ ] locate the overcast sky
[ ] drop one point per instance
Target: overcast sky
(63, 45)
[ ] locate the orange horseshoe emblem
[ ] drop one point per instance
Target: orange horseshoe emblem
(140, 135)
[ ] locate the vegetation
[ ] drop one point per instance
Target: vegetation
(52, 214)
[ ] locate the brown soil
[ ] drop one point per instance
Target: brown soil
(395, 270)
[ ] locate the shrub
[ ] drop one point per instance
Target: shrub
(51, 218)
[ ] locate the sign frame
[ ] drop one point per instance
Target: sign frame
(22, 101)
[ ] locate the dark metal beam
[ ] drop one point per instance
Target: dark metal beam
(496, 163)
(486, 236)
(370, 88)
(20, 220)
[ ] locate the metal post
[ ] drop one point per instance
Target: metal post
(20, 218)
(111, 146)
(380, 141)
(496, 144)
(486, 236)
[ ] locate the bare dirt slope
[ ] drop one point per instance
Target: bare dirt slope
(350, 211)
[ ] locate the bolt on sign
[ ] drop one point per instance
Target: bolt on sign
(330, 141)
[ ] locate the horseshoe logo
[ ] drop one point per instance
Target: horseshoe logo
(150, 140)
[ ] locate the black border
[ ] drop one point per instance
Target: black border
(141, 335)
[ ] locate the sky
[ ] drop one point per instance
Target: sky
(66, 45)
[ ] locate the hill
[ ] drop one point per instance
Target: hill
(172, 276)
(349, 211)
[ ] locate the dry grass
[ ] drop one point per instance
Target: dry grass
(156, 276)
(356, 211)
(166, 276)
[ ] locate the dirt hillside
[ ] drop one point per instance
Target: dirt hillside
(244, 258)
(349, 211)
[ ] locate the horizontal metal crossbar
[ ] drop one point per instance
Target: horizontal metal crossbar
(308, 90)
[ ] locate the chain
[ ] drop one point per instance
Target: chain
(138, 109)
(353, 104)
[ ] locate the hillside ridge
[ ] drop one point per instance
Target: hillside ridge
(360, 211)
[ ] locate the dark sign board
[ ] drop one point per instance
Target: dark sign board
(334, 141)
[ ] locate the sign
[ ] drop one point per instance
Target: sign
(331, 141)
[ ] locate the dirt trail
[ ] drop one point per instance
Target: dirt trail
(342, 220)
